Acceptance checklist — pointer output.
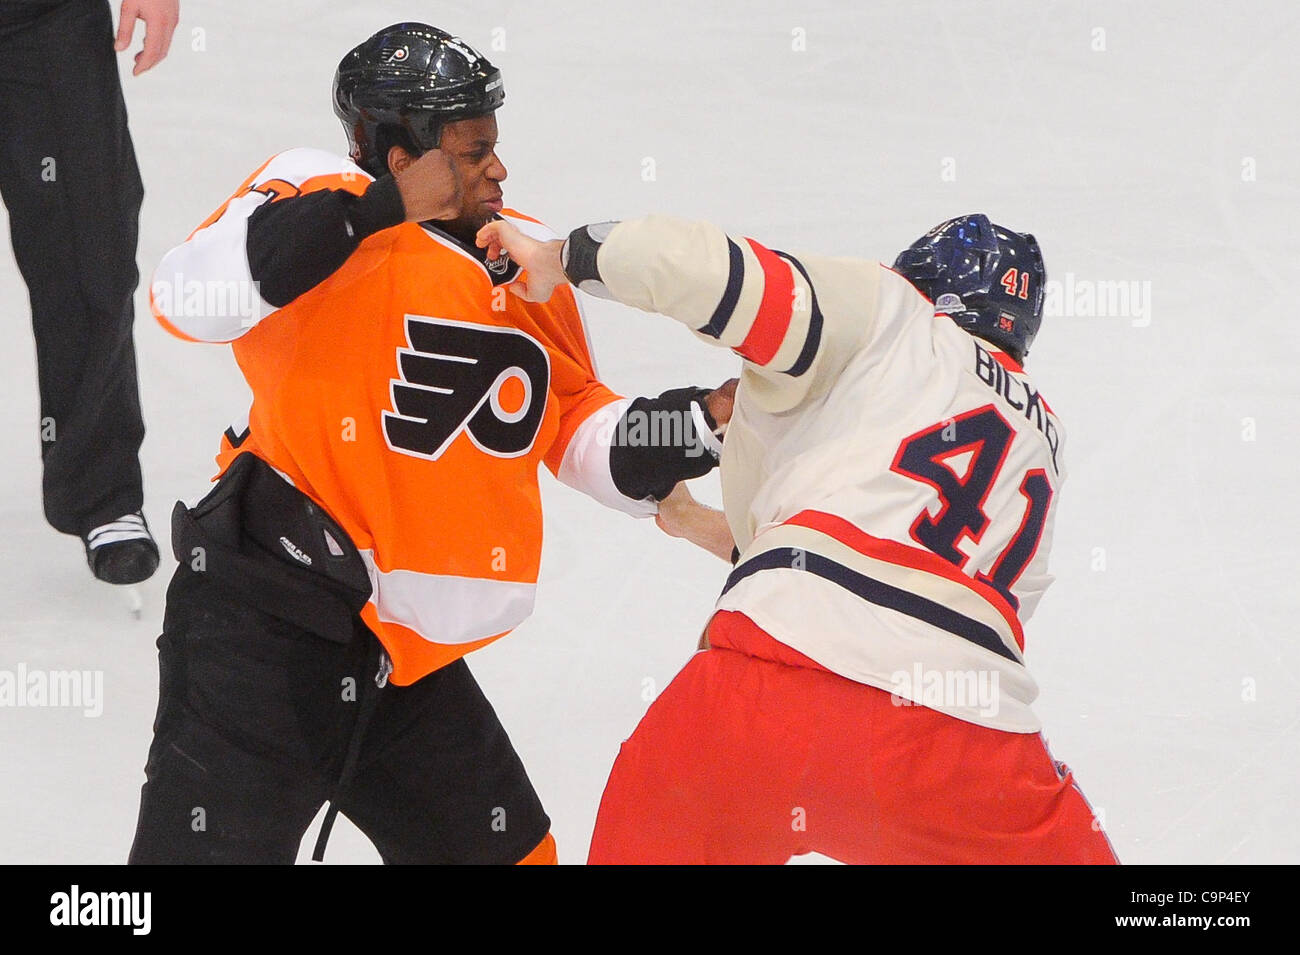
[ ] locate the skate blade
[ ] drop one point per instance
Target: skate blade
(134, 601)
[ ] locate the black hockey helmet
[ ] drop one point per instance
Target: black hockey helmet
(401, 86)
(986, 278)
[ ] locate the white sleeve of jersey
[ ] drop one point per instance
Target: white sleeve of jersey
(795, 321)
(585, 466)
(203, 288)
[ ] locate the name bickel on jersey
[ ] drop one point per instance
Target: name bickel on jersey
(1020, 395)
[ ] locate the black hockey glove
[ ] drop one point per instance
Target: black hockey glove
(662, 441)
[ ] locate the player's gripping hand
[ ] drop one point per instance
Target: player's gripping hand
(430, 186)
(539, 260)
(680, 515)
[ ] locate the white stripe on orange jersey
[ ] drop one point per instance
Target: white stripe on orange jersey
(446, 609)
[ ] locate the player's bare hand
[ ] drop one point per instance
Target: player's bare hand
(680, 515)
(160, 18)
(675, 511)
(539, 260)
(431, 187)
(721, 400)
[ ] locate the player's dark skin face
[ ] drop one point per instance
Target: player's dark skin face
(470, 146)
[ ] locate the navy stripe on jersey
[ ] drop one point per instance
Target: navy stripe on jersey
(814, 339)
(717, 324)
(876, 592)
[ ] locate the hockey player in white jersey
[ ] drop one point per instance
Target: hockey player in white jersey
(889, 477)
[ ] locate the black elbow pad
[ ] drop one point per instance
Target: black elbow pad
(578, 258)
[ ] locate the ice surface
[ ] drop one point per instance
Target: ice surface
(1170, 678)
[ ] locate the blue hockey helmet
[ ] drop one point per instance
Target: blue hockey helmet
(986, 278)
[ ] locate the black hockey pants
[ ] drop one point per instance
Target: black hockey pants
(271, 703)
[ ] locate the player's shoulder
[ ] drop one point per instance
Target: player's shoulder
(306, 169)
(896, 314)
(850, 282)
(900, 294)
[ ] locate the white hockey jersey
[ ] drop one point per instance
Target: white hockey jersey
(889, 479)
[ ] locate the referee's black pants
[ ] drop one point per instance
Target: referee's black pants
(69, 179)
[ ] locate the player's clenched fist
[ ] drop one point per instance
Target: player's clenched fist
(431, 186)
(539, 260)
(720, 402)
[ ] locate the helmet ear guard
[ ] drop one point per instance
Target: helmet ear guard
(985, 277)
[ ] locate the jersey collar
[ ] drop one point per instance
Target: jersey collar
(500, 271)
(1002, 358)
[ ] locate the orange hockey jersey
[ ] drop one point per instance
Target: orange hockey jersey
(413, 399)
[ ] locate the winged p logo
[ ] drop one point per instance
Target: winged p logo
(490, 383)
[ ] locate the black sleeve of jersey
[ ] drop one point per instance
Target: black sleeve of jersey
(656, 445)
(294, 244)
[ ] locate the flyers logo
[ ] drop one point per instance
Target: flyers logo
(490, 383)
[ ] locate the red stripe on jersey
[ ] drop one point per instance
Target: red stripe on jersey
(774, 311)
(1006, 361)
(906, 556)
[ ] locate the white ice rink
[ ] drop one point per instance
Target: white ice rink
(1154, 145)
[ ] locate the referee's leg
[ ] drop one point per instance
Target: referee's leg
(68, 176)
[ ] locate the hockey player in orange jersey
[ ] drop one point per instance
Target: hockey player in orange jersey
(889, 477)
(377, 515)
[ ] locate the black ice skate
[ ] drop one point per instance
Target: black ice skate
(122, 551)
